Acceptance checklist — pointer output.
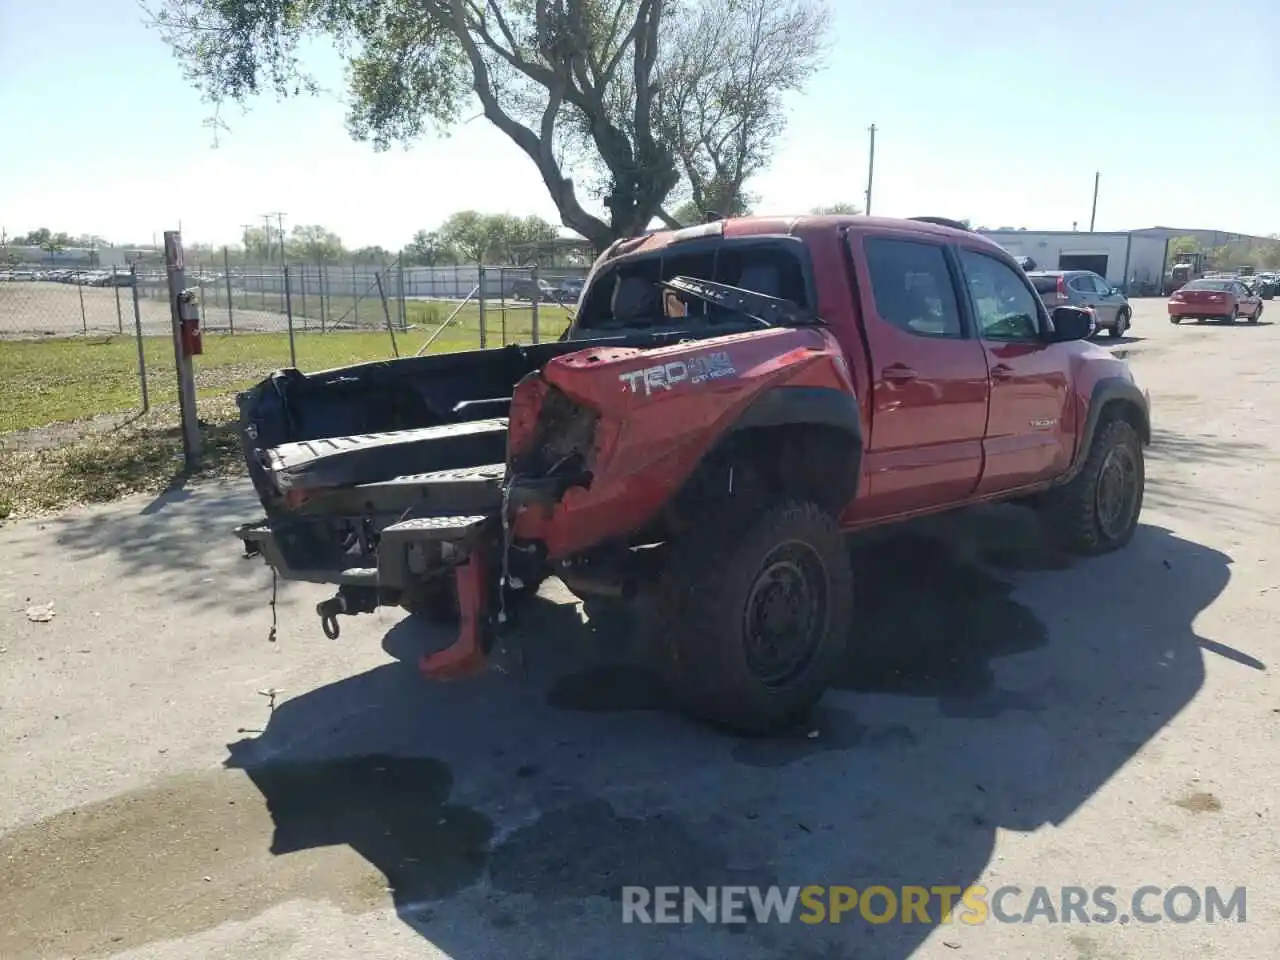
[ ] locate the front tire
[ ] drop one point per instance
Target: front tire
(1122, 325)
(750, 618)
(1098, 510)
(1257, 315)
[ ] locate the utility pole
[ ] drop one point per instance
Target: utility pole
(266, 225)
(279, 226)
(1093, 214)
(175, 268)
(871, 167)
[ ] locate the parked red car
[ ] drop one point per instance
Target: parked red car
(1214, 299)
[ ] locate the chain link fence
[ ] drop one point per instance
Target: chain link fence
(115, 322)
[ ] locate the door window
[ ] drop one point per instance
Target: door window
(912, 287)
(1083, 284)
(1101, 285)
(1004, 305)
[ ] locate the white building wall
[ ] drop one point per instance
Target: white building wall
(1132, 259)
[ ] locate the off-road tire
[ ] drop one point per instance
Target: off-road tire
(1122, 325)
(696, 617)
(1071, 513)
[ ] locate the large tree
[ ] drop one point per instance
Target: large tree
(726, 71)
(315, 244)
(592, 86)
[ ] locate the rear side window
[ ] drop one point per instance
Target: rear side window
(912, 287)
(1083, 284)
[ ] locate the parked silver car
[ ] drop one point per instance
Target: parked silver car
(1084, 288)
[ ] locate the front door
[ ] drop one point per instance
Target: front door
(929, 389)
(1029, 429)
(1109, 301)
(1084, 293)
(1247, 302)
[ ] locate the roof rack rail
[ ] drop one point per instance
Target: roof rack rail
(942, 222)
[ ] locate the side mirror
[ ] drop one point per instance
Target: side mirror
(1072, 323)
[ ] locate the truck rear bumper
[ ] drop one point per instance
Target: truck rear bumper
(408, 552)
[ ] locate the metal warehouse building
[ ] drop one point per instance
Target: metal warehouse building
(1133, 261)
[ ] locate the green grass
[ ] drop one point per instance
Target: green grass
(53, 453)
(66, 431)
(48, 381)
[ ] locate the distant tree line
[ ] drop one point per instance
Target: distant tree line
(1265, 256)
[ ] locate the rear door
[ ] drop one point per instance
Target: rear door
(1246, 301)
(929, 378)
(1028, 435)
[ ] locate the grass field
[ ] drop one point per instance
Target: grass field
(70, 423)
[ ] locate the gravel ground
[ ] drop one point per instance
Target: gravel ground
(1019, 720)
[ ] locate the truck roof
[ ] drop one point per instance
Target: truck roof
(794, 225)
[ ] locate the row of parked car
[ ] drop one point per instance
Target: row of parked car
(88, 278)
(1224, 296)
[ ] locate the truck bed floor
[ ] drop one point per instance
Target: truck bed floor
(378, 457)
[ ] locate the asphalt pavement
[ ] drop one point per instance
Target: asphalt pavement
(179, 785)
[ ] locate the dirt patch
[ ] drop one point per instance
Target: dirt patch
(196, 851)
(1199, 802)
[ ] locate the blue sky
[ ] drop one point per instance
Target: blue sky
(997, 111)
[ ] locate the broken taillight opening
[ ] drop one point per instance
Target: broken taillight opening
(296, 498)
(1061, 290)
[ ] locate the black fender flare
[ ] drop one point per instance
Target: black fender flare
(828, 407)
(823, 406)
(1105, 391)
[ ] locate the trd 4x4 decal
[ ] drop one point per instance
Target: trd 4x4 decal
(697, 369)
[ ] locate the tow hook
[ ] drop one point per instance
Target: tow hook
(328, 611)
(347, 600)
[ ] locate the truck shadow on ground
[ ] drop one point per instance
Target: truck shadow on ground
(177, 544)
(960, 711)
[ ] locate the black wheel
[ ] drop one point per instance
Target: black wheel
(750, 618)
(1098, 511)
(1235, 315)
(1122, 324)
(1256, 315)
(1175, 320)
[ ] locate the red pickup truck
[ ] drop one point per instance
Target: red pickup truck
(728, 401)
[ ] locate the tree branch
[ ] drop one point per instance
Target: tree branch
(668, 219)
(539, 150)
